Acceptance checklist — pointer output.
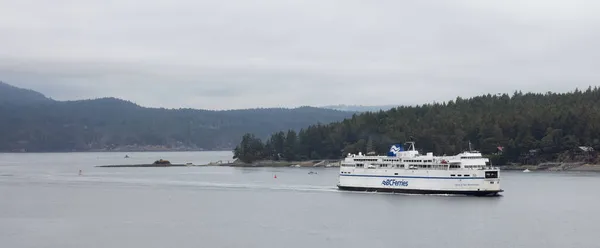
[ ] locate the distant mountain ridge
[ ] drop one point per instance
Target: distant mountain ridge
(36, 123)
(15, 95)
(360, 108)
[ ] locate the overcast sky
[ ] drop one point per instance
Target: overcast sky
(225, 54)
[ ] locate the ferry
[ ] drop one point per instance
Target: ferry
(408, 171)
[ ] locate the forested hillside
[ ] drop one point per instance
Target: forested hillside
(522, 127)
(13, 95)
(32, 122)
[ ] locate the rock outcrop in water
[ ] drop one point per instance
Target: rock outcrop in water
(157, 163)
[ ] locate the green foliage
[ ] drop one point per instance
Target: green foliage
(291, 146)
(548, 124)
(277, 145)
(250, 149)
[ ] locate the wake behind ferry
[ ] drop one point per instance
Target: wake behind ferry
(407, 171)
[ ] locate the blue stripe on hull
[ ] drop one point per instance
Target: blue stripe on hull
(420, 177)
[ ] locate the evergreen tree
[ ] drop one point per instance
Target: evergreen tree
(278, 144)
(250, 149)
(369, 146)
(290, 150)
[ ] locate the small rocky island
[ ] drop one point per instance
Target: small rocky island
(157, 163)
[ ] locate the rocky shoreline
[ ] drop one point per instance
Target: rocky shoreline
(576, 166)
(555, 166)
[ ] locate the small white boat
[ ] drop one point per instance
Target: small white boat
(526, 170)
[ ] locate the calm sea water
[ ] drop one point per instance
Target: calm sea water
(45, 203)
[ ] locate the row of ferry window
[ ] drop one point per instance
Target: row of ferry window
(433, 166)
(392, 160)
(366, 159)
(418, 161)
(452, 175)
(402, 166)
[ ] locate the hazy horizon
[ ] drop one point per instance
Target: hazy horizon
(341, 106)
(286, 53)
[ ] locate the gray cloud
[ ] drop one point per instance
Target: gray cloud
(241, 54)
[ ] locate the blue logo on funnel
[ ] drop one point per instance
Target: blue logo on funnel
(395, 149)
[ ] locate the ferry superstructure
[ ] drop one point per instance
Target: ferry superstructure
(407, 171)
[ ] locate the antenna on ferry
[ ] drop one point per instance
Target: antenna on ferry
(470, 146)
(411, 146)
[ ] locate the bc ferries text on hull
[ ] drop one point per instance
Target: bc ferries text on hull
(407, 171)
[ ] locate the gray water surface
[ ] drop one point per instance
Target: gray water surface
(45, 203)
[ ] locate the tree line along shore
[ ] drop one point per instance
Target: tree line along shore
(532, 130)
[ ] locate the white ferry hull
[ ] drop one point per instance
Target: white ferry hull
(415, 183)
(424, 191)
